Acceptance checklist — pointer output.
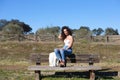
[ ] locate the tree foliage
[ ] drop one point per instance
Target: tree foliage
(20, 27)
(25, 27)
(11, 28)
(85, 31)
(54, 30)
(3, 22)
(111, 31)
(98, 31)
(14, 22)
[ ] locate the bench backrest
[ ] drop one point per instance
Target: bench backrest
(73, 58)
(83, 58)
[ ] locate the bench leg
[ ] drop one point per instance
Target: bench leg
(92, 75)
(38, 75)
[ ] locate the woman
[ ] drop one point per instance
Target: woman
(65, 36)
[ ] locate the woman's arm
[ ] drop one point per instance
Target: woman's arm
(71, 42)
(60, 37)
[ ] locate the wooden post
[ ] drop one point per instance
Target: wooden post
(91, 60)
(36, 38)
(38, 72)
(92, 75)
(107, 38)
(37, 75)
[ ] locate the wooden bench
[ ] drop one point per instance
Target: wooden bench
(73, 58)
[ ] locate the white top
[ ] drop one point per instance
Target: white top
(67, 42)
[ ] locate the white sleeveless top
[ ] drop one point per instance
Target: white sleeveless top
(67, 42)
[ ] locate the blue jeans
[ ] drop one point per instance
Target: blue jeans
(61, 53)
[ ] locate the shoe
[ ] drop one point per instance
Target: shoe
(62, 64)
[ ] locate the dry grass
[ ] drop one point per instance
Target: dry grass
(17, 53)
(14, 57)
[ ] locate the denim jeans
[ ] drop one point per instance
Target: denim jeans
(61, 53)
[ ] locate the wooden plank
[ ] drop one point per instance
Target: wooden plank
(69, 68)
(36, 55)
(76, 56)
(70, 61)
(73, 60)
(82, 58)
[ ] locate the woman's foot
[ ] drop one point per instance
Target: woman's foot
(62, 64)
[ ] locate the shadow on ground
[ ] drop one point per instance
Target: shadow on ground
(99, 74)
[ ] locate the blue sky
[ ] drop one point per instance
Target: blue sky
(72, 13)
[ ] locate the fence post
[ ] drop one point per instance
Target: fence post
(107, 38)
(36, 38)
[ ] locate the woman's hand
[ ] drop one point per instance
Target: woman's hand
(60, 37)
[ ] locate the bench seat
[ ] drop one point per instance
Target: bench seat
(68, 68)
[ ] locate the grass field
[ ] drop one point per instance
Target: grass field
(14, 58)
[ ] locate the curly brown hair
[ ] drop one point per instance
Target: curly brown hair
(62, 32)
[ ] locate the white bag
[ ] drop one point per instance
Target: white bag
(53, 59)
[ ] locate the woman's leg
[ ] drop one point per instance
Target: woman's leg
(57, 53)
(64, 52)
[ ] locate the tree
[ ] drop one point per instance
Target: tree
(84, 31)
(98, 31)
(94, 31)
(25, 27)
(54, 30)
(111, 31)
(41, 31)
(3, 22)
(11, 28)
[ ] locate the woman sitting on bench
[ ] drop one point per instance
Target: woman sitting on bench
(66, 36)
